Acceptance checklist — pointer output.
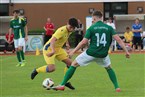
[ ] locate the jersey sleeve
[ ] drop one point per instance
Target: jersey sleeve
(140, 26)
(58, 34)
(11, 25)
(88, 33)
(23, 22)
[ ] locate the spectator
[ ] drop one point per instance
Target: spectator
(113, 44)
(79, 33)
(110, 23)
(49, 28)
(128, 35)
(143, 35)
(11, 42)
(137, 29)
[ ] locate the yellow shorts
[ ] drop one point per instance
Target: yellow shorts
(60, 55)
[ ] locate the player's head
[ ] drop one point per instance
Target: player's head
(16, 13)
(136, 20)
(72, 24)
(97, 16)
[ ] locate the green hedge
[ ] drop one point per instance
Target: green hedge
(72, 40)
(36, 32)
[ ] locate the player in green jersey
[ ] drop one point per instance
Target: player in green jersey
(100, 36)
(19, 27)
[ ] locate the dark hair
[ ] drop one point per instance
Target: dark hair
(16, 11)
(73, 22)
(127, 28)
(110, 18)
(97, 13)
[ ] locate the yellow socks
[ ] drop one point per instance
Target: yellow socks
(42, 69)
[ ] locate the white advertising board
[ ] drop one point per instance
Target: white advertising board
(33, 42)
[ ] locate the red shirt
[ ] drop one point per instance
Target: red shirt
(51, 26)
(11, 37)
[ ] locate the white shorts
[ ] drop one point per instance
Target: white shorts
(19, 42)
(84, 59)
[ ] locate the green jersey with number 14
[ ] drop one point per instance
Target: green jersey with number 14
(100, 35)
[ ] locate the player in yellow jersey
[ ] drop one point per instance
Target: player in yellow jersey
(53, 49)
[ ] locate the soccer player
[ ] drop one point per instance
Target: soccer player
(19, 27)
(100, 36)
(53, 49)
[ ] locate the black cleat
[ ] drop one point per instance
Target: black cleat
(69, 86)
(33, 74)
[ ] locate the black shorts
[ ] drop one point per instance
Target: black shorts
(137, 41)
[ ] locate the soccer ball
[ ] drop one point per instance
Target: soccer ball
(48, 83)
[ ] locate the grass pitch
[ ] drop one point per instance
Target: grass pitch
(89, 81)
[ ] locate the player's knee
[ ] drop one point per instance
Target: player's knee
(75, 64)
(108, 67)
(51, 68)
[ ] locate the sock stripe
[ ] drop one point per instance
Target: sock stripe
(47, 69)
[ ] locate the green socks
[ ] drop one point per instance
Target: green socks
(18, 56)
(68, 74)
(113, 78)
(22, 55)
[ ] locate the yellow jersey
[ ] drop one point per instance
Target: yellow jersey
(128, 36)
(61, 35)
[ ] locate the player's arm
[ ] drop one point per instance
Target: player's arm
(121, 43)
(52, 43)
(26, 32)
(10, 32)
(67, 45)
(79, 46)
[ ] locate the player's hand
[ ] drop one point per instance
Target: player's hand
(50, 54)
(127, 55)
(71, 54)
(26, 38)
(67, 46)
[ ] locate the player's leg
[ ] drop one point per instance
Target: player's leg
(63, 56)
(113, 77)
(82, 60)
(50, 67)
(68, 64)
(106, 63)
(17, 52)
(21, 43)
